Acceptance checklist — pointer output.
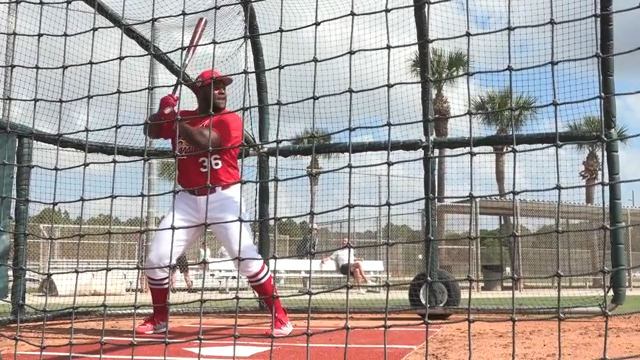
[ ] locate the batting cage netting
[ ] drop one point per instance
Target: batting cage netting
(466, 153)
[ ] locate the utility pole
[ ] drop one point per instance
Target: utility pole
(629, 242)
(379, 225)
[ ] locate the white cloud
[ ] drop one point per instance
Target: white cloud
(625, 28)
(628, 107)
(55, 159)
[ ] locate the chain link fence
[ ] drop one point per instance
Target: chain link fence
(65, 247)
(544, 241)
(577, 249)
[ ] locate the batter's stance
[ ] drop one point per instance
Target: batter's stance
(211, 196)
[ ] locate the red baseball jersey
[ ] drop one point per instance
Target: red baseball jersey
(197, 169)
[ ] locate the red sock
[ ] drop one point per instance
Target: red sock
(262, 284)
(159, 297)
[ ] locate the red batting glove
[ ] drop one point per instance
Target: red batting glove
(168, 109)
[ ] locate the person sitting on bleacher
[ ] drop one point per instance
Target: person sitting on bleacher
(348, 264)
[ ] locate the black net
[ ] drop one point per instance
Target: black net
(518, 228)
(92, 82)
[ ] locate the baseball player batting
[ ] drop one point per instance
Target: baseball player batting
(210, 197)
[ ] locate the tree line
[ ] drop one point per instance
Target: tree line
(58, 216)
(572, 236)
(289, 227)
(576, 236)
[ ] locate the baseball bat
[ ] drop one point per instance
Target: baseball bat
(191, 49)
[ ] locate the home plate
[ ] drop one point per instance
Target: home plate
(229, 351)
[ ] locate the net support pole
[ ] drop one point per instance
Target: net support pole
(253, 28)
(629, 251)
(23, 179)
(7, 151)
(618, 261)
(7, 168)
(422, 32)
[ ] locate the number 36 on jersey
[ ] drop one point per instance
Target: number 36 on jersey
(212, 162)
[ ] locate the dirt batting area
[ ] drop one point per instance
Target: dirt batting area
(492, 338)
(323, 337)
(487, 337)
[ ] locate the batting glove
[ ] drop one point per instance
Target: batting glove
(168, 107)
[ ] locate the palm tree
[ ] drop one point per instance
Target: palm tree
(507, 114)
(313, 137)
(444, 69)
(591, 165)
(591, 169)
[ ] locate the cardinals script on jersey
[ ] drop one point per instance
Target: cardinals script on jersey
(183, 148)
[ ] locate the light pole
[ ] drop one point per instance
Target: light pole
(379, 222)
(629, 250)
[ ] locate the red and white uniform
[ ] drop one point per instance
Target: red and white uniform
(198, 169)
(211, 198)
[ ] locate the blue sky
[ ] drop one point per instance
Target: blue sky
(365, 186)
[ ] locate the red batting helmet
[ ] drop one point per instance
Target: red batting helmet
(207, 76)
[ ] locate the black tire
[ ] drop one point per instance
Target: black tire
(438, 296)
(453, 288)
(446, 290)
(414, 290)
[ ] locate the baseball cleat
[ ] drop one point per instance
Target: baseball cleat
(281, 327)
(151, 325)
